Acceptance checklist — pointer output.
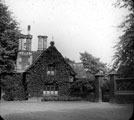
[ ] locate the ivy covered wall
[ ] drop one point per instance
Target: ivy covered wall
(37, 76)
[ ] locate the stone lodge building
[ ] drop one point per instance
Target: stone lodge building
(45, 71)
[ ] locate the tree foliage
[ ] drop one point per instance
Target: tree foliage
(124, 56)
(82, 87)
(8, 51)
(92, 64)
(13, 87)
(8, 40)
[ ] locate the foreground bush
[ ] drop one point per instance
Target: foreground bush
(60, 98)
(8, 97)
(13, 88)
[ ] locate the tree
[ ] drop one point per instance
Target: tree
(92, 64)
(9, 33)
(124, 57)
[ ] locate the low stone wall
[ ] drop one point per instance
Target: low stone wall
(90, 97)
(122, 89)
(124, 98)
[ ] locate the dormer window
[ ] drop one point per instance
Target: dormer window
(51, 70)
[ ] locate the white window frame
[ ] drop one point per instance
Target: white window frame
(51, 71)
(51, 91)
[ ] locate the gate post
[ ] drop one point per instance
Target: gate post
(98, 84)
(113, 76)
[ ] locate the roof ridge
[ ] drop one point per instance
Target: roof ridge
(35, 60)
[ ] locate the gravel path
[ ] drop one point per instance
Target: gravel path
(35, 110)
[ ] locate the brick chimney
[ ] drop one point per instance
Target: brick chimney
(28, 39)
(42, 42)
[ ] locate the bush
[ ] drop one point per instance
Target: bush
(60, 98)
(13, 88)
(8, 97)
(90, 97)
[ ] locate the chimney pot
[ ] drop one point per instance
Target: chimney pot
(52, 43)
(28, 29)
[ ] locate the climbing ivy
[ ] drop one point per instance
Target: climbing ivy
(37, 73)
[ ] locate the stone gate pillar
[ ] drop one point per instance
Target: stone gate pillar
(98, 83)
(113, 76)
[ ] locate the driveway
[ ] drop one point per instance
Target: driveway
(36, 110)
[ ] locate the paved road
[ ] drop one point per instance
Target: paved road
(64, 110)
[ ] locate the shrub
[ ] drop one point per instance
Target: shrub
(60, 98)
(81, 88)
(13, 88)
(8, 97)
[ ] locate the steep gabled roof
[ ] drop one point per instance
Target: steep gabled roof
(35, 54)
(52, 51)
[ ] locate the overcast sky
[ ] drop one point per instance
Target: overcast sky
(76, 25)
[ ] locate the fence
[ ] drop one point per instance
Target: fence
(121, 89)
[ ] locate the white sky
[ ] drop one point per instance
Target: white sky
(77, 25)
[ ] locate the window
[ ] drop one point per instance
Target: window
(51, 71)
(71, 79)
(50, 90)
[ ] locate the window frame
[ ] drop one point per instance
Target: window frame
(50, 90)
(51, 71)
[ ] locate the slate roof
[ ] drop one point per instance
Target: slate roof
(79, 69)
(35, 54)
